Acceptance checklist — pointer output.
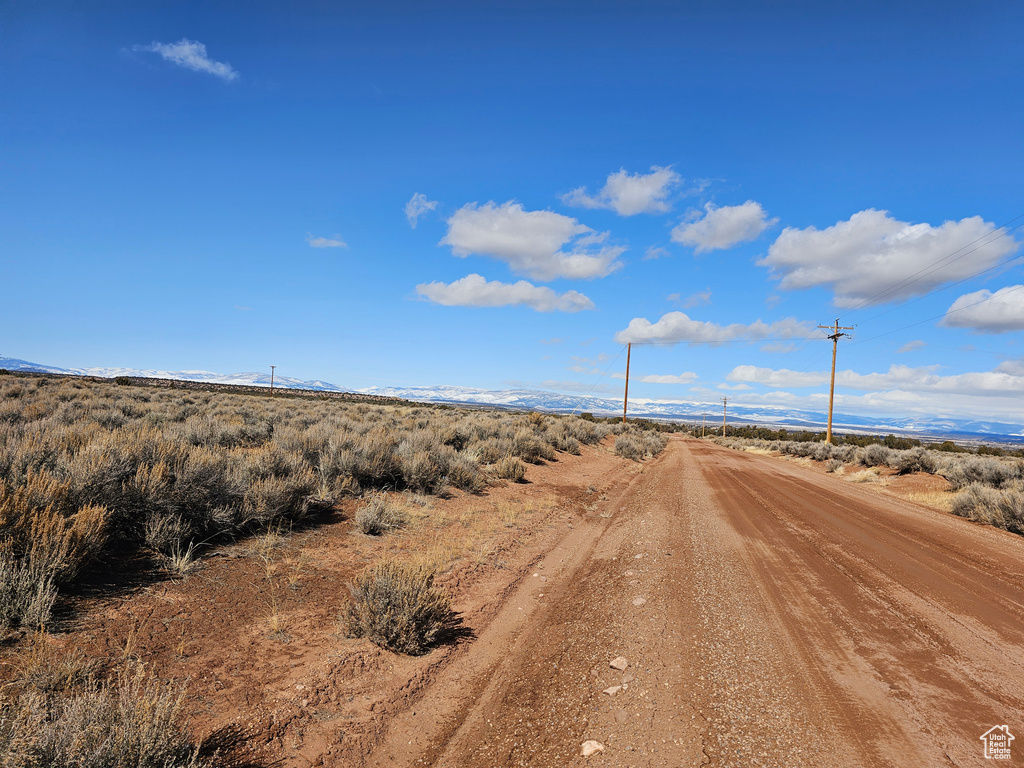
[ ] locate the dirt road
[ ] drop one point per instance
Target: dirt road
(770, 615)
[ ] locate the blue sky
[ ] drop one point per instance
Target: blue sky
(223, 186)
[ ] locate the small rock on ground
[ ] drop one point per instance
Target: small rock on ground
(591, 748)
(619, 663)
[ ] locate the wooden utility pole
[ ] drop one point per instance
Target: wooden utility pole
(703, 423)
(835, 336)
(625, 397)
(272, 380)
(725, 403)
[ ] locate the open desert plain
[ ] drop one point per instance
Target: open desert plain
(622, 597)
(516, 384)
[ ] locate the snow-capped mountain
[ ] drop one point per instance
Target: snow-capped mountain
(241, 379)
(554, 402)
(694, 412)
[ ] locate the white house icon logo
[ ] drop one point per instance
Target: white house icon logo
(997, 742)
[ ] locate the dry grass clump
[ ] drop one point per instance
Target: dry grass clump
(379, 516)
(1001, 508)
(395, 605)
(134, 721)
(88, 468)
(41, 547)
(510, 468)
(962, 471)
(639, 445)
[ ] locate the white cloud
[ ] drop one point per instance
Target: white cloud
(1000, 382)
(629, 194)
(987, 312)
(698, 299)
(475, 291)
(655, 252)
(191, 54)
(1012, 367)
(653, 378)
(576, 386)
(911, 346)
(679, 327)
(779, 347)
(325, 242)
(540, 244)
(872, 258)
(721, 228)
(417, 206)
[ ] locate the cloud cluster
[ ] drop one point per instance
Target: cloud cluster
(1004, 380)
(417, 206)
(191, 54)
(676, 327)
(543, 245)
(475, 291)
(629, 193)
(721, 228)
(325, 242)
(873, 258)
(987, 312)
(660, 378)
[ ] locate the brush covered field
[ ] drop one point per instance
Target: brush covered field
(299, 518)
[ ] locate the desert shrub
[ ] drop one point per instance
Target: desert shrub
(134, 721)
(464, 473)
(587, 432)
(510, 468)
(833, 465)
(41, 548)
(396, 606)
(629, 447)
(568, 444)
(379, 516)
(175, 466)
(961, 471)
(913, 460)
(527, 446)
(41, 667)
(27, 592)
(492, 449)
(1001, 508)
(875, 455)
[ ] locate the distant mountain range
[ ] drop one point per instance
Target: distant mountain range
(553, 402)
(241, 379)
(692, 411)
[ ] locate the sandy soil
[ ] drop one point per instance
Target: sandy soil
(789, 618)
(770, 614)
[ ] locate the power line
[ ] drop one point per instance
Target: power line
(950, 258)
(936, 317)
(723, 341)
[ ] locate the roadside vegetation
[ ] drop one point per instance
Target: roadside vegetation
(95, 476)
(89, 471)
(989, 488)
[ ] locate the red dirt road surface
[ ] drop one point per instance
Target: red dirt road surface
(770, 615)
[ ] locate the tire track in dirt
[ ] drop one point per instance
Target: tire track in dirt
(771, 615)
(530, 692)
(909, 622)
